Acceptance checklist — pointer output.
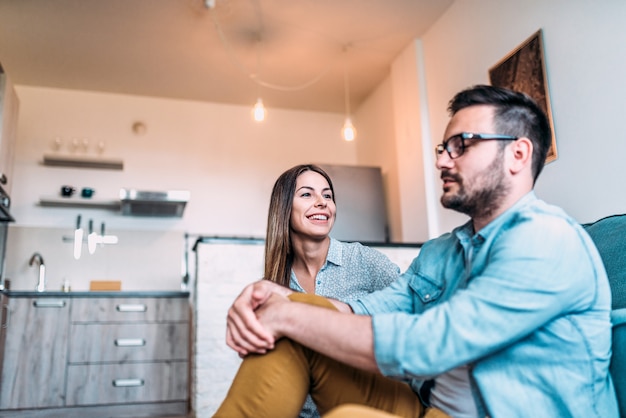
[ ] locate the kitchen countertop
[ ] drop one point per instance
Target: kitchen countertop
(205, 239)
(99, 294)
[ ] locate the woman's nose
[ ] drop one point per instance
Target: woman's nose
(320, 201)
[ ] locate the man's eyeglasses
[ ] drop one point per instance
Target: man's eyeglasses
(455, 145)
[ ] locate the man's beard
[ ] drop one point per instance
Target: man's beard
(483, 197)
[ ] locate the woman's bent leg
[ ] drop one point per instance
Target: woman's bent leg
(272, 385)
(275, 385)
(334, 383)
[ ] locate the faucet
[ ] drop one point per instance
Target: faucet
(37, 258)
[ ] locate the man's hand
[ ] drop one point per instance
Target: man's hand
(270, 316)
(244, 332)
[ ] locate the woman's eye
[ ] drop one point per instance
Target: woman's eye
(306, 194)
(328, 196)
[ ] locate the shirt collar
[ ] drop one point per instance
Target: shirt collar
(335, 252)
(466, 231)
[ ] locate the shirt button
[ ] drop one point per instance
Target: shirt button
(427, 297)
(319, 282)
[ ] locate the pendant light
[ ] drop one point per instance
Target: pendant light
(258, 111)
(348, 132)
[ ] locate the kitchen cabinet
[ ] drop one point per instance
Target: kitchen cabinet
(128, 350)
(35, 353)
(119, 354)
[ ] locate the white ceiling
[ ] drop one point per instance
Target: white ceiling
(183, 49)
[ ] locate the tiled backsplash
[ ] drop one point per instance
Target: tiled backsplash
(141, 260)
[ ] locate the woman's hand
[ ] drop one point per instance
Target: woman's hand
(244, 332)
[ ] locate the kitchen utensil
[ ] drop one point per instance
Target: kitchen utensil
(78, 239)
(91, 238)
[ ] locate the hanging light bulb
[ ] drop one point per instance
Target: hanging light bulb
(259, 112)
(348, 132)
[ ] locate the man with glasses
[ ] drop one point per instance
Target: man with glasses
(508, 315)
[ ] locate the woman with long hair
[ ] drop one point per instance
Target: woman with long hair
(300, 254)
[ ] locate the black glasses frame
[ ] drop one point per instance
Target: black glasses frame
(456, 150)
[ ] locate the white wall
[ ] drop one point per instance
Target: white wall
(377, 147)
(227, 161)
(586, 63)
(410, 157)
(394, 134)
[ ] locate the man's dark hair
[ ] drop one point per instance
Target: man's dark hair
(516, 114)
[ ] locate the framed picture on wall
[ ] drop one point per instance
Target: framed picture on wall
(524, 70)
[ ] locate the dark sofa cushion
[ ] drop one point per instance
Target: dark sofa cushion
(609, 235)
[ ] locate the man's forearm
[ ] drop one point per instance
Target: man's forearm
(342, 336)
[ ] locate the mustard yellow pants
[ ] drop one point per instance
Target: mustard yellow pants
(275, 385)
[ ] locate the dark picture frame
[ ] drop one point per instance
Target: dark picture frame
(524, 70)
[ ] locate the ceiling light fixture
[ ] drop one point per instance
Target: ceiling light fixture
(348, 132)
(258, 112)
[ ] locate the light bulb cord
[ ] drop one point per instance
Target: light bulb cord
(255, 77)
(346, 81)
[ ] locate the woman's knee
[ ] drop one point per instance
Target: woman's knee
(310, 299)
(351, 411)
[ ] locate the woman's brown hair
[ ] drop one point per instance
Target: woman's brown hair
(278, 249)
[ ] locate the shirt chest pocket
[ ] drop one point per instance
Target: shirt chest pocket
(425, 289)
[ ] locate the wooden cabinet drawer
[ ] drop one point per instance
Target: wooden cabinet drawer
(130, 309)
(131, 382)
(35, 353)
(128, 342)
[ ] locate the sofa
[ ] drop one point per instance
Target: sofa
(609, 235)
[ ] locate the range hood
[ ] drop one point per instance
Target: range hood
(153, 203)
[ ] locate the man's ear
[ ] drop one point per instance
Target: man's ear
(521, 155)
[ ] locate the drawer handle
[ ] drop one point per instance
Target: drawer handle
(132, 308)
(124, 383)
(130, 342)
(49, 304)
(6, 322)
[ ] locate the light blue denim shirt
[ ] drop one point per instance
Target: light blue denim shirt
(525, 302)
(351, 270)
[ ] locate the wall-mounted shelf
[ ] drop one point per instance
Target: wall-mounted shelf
(83, 162)
(79, 202)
